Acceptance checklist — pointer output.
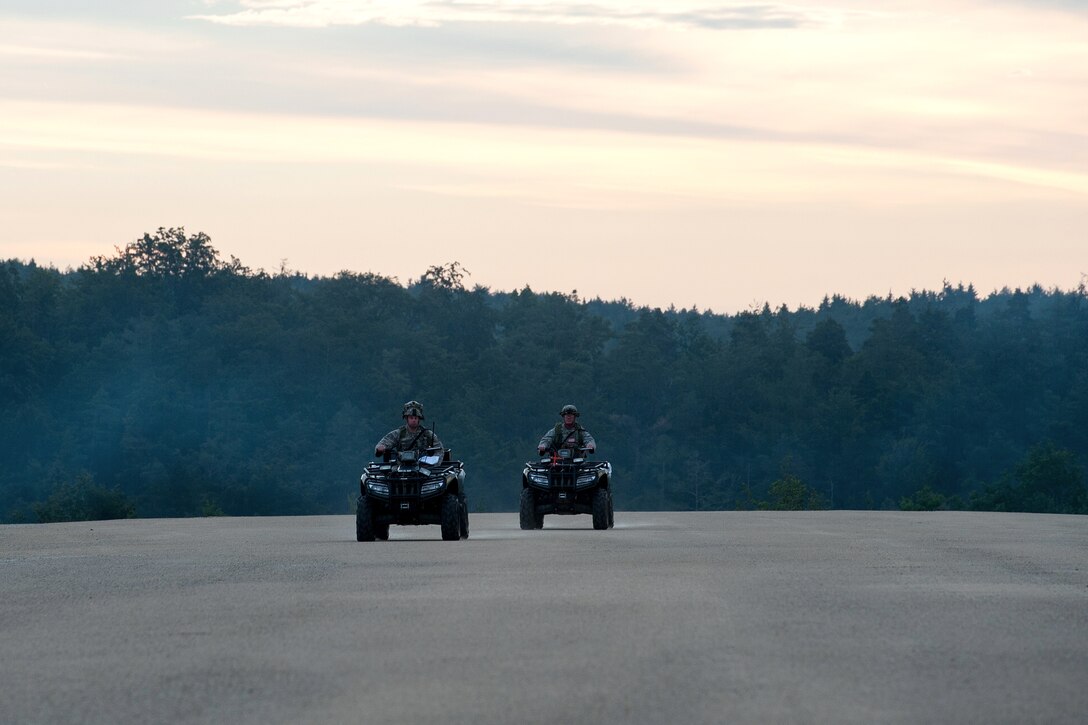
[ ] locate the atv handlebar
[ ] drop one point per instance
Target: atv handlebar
(553, 455)
(391, 454)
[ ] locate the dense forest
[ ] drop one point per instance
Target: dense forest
(165, 381)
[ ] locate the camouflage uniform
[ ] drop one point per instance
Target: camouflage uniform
(562, 437)
(402, 439)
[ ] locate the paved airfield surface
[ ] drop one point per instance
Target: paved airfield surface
(670, 617)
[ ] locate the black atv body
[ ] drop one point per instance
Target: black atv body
(412, 488)
(564, 482)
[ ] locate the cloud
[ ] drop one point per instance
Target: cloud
(557, 167)
(38, 52)
(1073, 6)
(325, 13)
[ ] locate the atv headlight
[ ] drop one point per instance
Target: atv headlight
(375, 487)
(431, 486)
(540, 478)
(584, 479)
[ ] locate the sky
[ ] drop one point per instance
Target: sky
(716, 155)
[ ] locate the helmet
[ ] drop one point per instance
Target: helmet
(569, 409)
(412, 407)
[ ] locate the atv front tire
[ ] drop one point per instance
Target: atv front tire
(364, 520)
(602, 504)
(527, 516)
(451, 518)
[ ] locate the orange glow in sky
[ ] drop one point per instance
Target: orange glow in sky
(718, 156)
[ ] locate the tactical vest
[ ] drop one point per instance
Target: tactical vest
(559, 435)
(404, 429)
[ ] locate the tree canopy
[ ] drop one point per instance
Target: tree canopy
(164, 381)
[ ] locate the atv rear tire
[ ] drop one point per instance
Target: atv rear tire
(381, 532)
(451, 518)
(601, 505)
(464, 519)
(364, 520)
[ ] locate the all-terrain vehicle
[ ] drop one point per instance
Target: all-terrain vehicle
(563, 482)
(411, 488)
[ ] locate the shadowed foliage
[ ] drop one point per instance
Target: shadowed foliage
(82, 500)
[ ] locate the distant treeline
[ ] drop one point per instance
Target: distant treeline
(165, 381)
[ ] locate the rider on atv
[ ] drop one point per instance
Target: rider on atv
(411, 435)
(567, 434)
(565, 482)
